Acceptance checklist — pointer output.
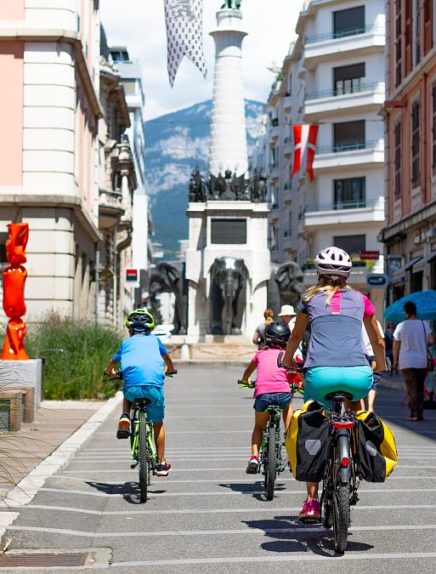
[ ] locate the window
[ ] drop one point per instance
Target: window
(352, 244)
(273, 157)
(348, 79)
(349, 136)
(289, 85)
(416, 146)
(408, 35)
(418, 35)
(397, 160)
(348, 22)
(398, 43)
(428, 25)
(433, 99)
(349, 193)
(229, 231)
(3, 238)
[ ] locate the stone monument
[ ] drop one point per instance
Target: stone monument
(227, 259)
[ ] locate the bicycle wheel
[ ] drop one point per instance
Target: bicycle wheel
(143, 455)
(341, 516)
(271, 463)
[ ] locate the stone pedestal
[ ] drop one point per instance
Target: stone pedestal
(19, 374)
(202, 251)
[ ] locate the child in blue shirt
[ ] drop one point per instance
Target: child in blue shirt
(142, 357)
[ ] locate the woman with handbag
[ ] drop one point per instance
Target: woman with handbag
(412, 338)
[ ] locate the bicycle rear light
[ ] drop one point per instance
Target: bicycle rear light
(343, 424)
(345, 461)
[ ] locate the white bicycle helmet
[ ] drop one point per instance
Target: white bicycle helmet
(333, 261)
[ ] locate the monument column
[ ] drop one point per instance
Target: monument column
(228, 141)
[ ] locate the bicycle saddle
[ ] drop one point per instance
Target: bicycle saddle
(141, 402)
(339, 396)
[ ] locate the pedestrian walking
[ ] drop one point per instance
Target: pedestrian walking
(389, 341)
(412, 338)
(259, 333)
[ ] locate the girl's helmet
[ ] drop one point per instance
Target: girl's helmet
(333, 261)
(277, 335)
(140, 320)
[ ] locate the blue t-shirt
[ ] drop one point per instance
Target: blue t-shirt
(141, 361)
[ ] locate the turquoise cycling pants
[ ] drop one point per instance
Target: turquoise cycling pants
(320, 381)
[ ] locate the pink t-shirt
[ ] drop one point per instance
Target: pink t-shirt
(270, 378)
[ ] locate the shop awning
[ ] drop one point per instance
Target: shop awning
(412, 262)
(430, 257)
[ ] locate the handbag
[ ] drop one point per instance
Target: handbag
(430, 361)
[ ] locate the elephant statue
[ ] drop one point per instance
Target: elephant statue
(167, 278)
(228, 282)
(285, 285)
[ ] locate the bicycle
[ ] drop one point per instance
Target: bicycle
(340, 482)
(142, 445)
(271, 460)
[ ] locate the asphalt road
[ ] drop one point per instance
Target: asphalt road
(209, 516)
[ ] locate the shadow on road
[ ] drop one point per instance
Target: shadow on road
(257, 489)
(293, 536)
(128, 490)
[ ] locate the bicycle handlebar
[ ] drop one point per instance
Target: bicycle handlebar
(245, 384)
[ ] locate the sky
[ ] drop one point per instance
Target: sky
(140, 25)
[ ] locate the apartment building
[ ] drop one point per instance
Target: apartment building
(333, 76)
(410, 114)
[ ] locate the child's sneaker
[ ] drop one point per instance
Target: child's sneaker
(311, 511)
(253, 465)
(124, 426)
(162, 468)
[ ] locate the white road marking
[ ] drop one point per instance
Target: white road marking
(223, 532)
(225, 492)
(298, 557)
(269, 510)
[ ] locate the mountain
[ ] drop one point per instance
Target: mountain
(176, 143)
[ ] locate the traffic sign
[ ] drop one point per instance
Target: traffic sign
(377, 280)
(369, 254)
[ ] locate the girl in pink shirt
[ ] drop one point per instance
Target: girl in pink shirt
(272, 386)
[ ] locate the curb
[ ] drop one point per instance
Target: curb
(29, 486)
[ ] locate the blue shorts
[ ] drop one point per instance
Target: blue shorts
(320, 381)
(266, 400)
(156, 409)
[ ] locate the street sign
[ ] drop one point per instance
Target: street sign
(377, 280)
(132, 277)
(370, 255)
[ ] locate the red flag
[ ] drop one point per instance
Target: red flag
(304, 148)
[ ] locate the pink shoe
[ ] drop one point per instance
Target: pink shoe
(253, 465)
(311, 511)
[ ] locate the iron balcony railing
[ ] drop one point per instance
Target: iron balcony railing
(356, 87)
(343, 33)
(343, 205)
(341, 148)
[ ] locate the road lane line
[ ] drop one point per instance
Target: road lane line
(298, 557)
(220, 532)
(260, 510)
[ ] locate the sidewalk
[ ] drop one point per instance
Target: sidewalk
(22, 451)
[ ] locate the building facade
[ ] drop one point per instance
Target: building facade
(333, 77)
(55, 145)
(410, 114)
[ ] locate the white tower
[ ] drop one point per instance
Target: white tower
(228, 141)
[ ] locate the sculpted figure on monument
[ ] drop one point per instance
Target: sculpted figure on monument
(167, 278)
(285, 285)
(228, 281)
(258, 187)
(197, 186)
(231, 5)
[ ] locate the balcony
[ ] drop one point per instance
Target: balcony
(347, 155)
(362, 96)
(110, 208)
(323, 47)
(334, 214)
(274, 172)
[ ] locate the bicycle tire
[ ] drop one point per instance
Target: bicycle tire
(341, 516)
(143, 456)
(271, 463)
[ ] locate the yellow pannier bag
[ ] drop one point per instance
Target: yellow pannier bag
(306, 442)
(377, 450)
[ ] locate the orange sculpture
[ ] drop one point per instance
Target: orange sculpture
(14, 278)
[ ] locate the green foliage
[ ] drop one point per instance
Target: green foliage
(76, 354)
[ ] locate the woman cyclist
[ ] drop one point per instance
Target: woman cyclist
(335, 358)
